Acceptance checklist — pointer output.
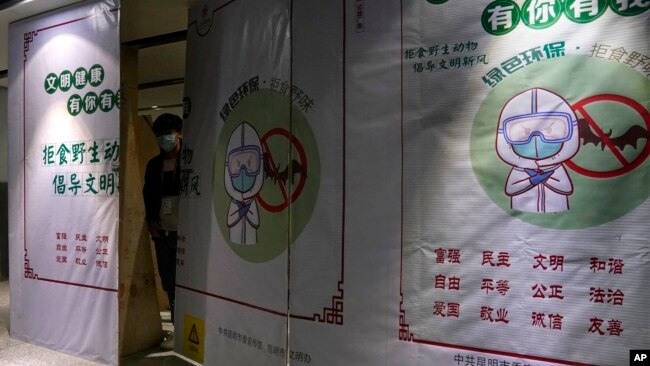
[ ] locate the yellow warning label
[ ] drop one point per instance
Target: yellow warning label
(194, 335)
(194, 338)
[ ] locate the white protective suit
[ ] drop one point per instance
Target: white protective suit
(243, 163)
(537, 132)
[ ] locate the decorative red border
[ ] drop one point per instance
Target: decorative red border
(404, 331)
(30, 273)
(330, 315)
(334, 313)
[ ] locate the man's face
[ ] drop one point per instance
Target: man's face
(167, 139)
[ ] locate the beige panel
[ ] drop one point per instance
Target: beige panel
(140, 325)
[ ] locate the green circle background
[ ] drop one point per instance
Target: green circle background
(626, 13)
(602, 6)
(91, 110)
(62, 88)
(81, 104)
(75, 81)
(524, 9)
(516, 16)
(437, 1)
(594, 201)
(266, 109)
(98, 83)
(56, 83)
(101, 105)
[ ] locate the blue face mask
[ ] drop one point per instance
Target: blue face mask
(537, 149)
(167, 142)
(243, 182)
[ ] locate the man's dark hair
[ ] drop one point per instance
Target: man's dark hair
(167, 122)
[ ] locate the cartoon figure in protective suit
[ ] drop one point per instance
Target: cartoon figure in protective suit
(537, 132)
(243, 179)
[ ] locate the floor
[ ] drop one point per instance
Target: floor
(17, 353)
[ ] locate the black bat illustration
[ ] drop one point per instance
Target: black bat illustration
(296, 168)
(587, 136)
(630, 137)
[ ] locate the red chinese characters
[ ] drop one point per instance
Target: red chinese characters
(490, 285)
(541, 291)
(79, 252)
(453, 283)
(503, 259)
(61, 248)
(450, 282)
(552, 262)
(598, 295)
(442, 309)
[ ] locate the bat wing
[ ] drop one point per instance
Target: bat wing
(298, 168)
(284, 175)
(268, 170)
(587, 136)
(631, 137)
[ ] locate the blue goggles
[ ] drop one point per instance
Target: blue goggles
(248, 158)
(548, 126)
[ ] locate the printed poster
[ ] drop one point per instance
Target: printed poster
(525, 179)
(482, 182)
(262, 186)
(63, 194)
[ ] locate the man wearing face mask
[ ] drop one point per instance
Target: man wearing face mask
(161, 192)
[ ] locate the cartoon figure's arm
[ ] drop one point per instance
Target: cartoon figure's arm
(233, 214)
(518, 182)
(560, 182)
(252, 216)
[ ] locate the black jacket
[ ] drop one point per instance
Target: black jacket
(157, 185)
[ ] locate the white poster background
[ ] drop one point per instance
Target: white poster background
(63, 246)
(419, 125)
(252, 42)
(245, 40)
(446, 208)
(317, 254)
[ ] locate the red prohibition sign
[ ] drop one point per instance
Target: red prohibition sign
(303, 160)
(627, 165)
